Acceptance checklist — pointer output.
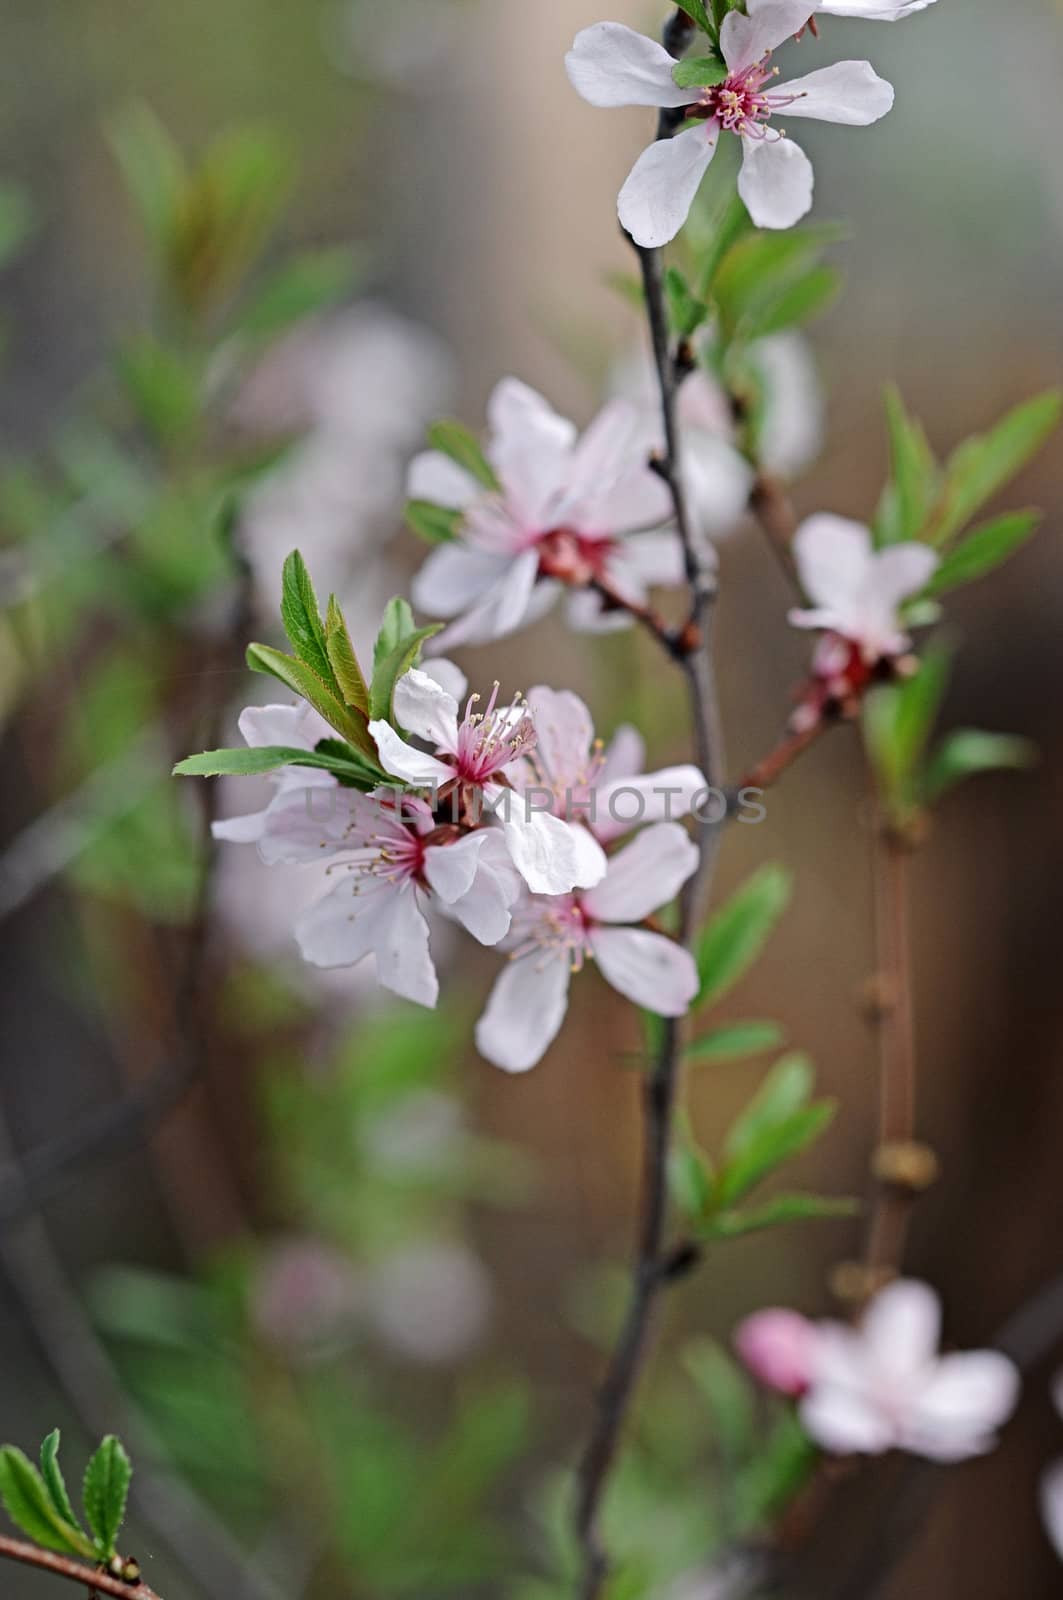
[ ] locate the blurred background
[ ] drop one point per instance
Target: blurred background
(342, 1286)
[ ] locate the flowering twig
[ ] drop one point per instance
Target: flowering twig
(654, 1265)
(93, 1579)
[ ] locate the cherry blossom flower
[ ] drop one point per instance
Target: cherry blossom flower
(430, 1302)
(717, 477)
(611, 65)
(778, 1347)
(883, 1386)
(569, 512)
(472, 755)
(1052, 1486)
(604, 789)
(553, 938)
(857, 594)
(872, 10)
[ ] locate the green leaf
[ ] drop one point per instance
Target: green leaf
(778, 1123)
(729, 1394)
(235, 200)
(397, 624)
(731, 223)
(628, 286)
(760, 270)
(153, 168)
(699, 72)
(53, 1478)
(734, 1040)
(16, 221)
(985, 548)
(967, 752)
(695, 10)
(434, 524)
(164, 388)
(303, 681)
(345, 669)
(898, 720)
(301, 616)
(312, 283)
(737, 934)
(105, 1491)
(905, 508)
(797, 302)
(30, 1507)
(404, 656)
(775, 1213)
(982, 466)
(462, 446)
(686, 312)
(243, 763)
(690, 1179)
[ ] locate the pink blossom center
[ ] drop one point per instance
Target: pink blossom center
(492, 739)
(558, 924)
(741, 105)
(573, 557)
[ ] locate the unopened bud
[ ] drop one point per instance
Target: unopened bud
(906, 1164)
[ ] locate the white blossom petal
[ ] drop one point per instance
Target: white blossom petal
(621, 804)
(1052, 1505)
(612, 65)
(403, 761)
(900, 571)
(551, 856)
(241, 830)
(647, 968)
(791, 432)
(646, 874)
(902, 1327)
(849, 92)
(434, 476)
(745, 40)
(872, 10)
(359, 918)
(530, 448)
(625, 755)
(776, 180)
(959, 1411)
(833, 556)
(425, 708)
(448, 675)
(456, 576)
(657, 197)
(841, 1421)
(525, 1011)
(514, 599)
(564, 733)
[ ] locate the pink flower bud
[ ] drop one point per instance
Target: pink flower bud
(777, 1346)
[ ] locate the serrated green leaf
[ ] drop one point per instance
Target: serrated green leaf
(52, 1474)
(737, 934)
(301, 616)
(303, 681)
(967, 752)
(784, 1208)
(105, 1491)
(393, 667)
(434, 524)
(734, 1040)
(695, 10)
(984, 548)
(312, 283)
(241, 763)
(685, 311)
(345, 669)
(982, 466)
(699, 72)
(397, 624)
(30, 1507)
(903, 512)
(458, 442)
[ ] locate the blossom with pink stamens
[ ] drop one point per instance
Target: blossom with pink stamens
(569, 512)
(553, 938)
(611, 65)
(471, 754)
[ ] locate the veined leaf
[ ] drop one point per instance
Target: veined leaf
(434, 524)
(301, 616)
(30, 1507)
(760, 268)
(737, 934)
(690, 1179)
(903, 511)
(797, 302)
(52, 1474)
(686, 312)
(344, 662)
(695, 10)
(105, 1491)
(699, 72)
(984, 548)
(983, 465)
(397, 624)
(782, 1209)
(734, 1040)
(243, 763)
(300, 678)
(778, 1123)
(404, 656)
(461, 445)
(967, 752)
(899, 719)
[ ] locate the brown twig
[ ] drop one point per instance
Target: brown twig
(768, 771)
(653, 1265)
(93, 1578)
(774, 510)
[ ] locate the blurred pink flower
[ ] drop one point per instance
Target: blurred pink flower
(856, 590)
(778, 1347)
(611, 65)
(304, 1295)
(883, 1386)
(569, 510)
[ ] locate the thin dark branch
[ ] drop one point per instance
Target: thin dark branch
(652, 1272)
(91, 1578)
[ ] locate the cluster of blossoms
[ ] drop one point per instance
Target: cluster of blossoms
(611, 65)
(498, 820)
(883, 1385)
